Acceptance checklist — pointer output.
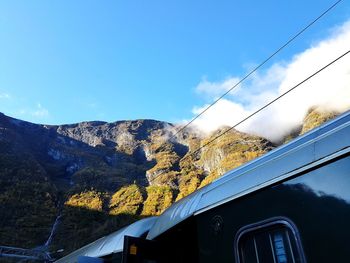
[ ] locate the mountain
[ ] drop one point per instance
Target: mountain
(92, 178)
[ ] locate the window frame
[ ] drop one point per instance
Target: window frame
(267, 223)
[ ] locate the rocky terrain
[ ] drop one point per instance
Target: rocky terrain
(92, 178)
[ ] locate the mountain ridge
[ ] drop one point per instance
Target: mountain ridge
(95, 177)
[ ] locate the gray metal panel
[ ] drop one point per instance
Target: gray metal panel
(112, 243)
(333, 141)
(314, 145)
(115, 243)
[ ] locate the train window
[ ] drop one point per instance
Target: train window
(275, 240)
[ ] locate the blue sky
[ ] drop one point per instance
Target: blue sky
(71, 61)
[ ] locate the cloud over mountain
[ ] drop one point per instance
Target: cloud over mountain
(329, 90)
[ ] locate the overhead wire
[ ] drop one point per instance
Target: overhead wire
(290, 40)
(262, 108)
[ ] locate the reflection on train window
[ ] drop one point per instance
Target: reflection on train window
(273, 241)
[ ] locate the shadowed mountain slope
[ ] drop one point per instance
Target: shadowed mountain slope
(95, 177)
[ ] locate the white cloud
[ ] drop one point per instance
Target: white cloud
(5, 96)
(330, 89)
(215, 89)
(40, 112)
(92, 105)
(225, 112)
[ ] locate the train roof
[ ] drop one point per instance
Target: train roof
(112, 243)
(279, 164)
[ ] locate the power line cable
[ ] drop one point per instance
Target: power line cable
(268, 104)
(254, 70)
(257, 67)
(262, 108)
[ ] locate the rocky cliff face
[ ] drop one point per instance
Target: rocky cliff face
(94, 177)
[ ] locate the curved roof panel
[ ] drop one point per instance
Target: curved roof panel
(112, 243)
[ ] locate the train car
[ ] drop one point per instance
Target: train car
(290, 205)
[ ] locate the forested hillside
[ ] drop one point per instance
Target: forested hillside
(92, 178)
